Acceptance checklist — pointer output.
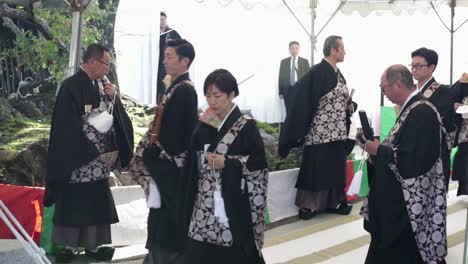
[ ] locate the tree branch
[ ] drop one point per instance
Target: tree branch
(7, 22)
(30, 20)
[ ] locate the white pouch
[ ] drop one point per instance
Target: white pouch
(219, 209)
(154, 198)
(103, 121)
(355, 186)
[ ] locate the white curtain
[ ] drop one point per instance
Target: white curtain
(136, 40)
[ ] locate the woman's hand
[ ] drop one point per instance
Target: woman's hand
(216, 160)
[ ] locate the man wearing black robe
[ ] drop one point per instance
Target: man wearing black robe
(319, 118)
(77, 179)
(460, 162)
(166, 34)
(407, 197)
(166, 224)
(423, 63)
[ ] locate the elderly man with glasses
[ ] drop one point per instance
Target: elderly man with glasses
(405, 210)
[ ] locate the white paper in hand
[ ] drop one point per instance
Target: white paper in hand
(355, 186)
(463, 110)
(154, 198)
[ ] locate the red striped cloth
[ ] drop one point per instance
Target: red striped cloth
(25, 203)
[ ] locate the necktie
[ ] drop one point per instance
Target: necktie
(292, 73)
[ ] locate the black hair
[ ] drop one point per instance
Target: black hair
(429, 55)
(183, 48)
(163, 14)
(95, 51)
(223, 80)
(294, 43)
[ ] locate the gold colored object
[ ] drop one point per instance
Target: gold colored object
(156, 124)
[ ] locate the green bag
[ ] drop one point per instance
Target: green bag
(46, 233)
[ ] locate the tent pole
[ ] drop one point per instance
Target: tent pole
(452, 15)
(75, 45)
(313, 6)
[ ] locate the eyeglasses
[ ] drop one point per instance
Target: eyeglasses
(105, 63)
(382, 86)
(417, 66)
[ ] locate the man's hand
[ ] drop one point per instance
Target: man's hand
(372, 146)
(281, 96)
(109, 88)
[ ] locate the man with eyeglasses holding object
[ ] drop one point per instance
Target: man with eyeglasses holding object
(82, 155)
(405, 210)
(423, 63)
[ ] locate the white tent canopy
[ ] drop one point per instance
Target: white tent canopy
(250, 37)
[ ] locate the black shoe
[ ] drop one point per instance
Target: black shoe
(64, 256)
(102, 254)
(306, 214)
(341, 209)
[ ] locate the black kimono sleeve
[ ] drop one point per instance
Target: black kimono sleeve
(235, 187)
(443, 101)
(69, 148)
(418, 145)
(304, 100)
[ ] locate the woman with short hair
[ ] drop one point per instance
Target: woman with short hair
(229, 181)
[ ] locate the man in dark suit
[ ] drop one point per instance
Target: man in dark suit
(291, 70)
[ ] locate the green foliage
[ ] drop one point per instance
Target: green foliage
(18, 133)
(39, 54)
(269, 129)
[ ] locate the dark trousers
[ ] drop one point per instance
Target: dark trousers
(286, 104)
(158, 255)
(402, 251)
(206, 253)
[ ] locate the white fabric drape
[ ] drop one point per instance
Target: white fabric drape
(136, 41)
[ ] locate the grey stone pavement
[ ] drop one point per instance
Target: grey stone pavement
(19, 256)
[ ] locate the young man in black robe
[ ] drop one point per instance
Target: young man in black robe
(423, 64)
(166, 34)
(77, 167)
(405, 211)
(460, 162)
(165, 159)
(319, 118)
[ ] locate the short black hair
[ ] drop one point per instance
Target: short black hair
(224, 81)
(429, 55)
(294, 43)
(331, 42)
(163, 14)
(183, 48)
(95, 50)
